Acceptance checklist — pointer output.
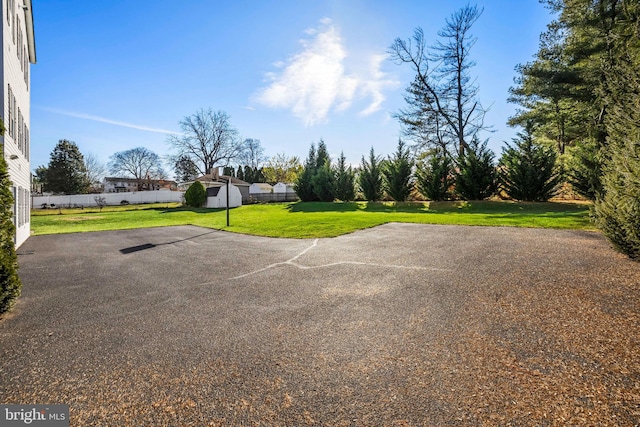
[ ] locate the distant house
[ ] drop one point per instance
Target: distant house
(260, 188)
(214, 179)
(128, 185)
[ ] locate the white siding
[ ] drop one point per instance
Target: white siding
(16, 112)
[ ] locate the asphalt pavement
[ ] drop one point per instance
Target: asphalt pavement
(402, 324)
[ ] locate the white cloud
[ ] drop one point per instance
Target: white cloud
(316, 80)
(109, 121)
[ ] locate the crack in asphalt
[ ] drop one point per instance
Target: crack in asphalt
(292, 262)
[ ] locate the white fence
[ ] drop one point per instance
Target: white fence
(273, 197)
(161, 196)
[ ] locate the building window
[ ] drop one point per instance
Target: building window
(18, 202)
(15, 116)
(26, 68)
(27, 142)
(19, 131)
(19, 49)
(27, 205)
(10, 101)
(14, 206)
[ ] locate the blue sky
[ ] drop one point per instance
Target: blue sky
(114, 75)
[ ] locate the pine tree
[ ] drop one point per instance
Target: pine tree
(585, 170)
(240, 173)
(10, 284)
(344, 181)
(477, 176)
(248, 174)
(398, 175)
(528, 170)
(66, 172)
(303, 185)
(323, 183)
(370, 177)
(434, 176)
(617, 210)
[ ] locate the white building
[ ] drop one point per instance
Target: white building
(260, 188)
(18, 52)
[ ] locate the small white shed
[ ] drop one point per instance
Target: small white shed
(217, 197)
(281, 187)
(260, 188)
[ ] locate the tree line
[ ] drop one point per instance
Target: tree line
(525, 171)
(580, 95)
(207, 140)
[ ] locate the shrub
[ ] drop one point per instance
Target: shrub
(434, 176)
(477, 178)
(398, 175)
(323, 183)
(303, 185)
(617, 210)
(344, 181)
(196, 195)
(10, 284)
(585, 170)
(370, 177)
(528, 170)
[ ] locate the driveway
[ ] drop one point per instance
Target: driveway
(402, 324)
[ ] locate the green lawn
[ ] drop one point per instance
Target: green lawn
(309, 220)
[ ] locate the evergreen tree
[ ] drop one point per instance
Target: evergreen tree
(477, 176)
(323, 183)
(398, 175)
(248, 174)
(258, 175)
(10, 284)
(617, 210)
(66, 171)
(585, 170)
(370, 177)
(344, 181)
(434, 176)
(229, 171)
(322, 155)
(303, 185)
(240, 173)
(528, 170)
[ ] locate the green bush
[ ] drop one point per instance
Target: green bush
(617, 210)
(434, 176)
(10, 284)
(528, 171)
(477, 178)
(585, 170)
(397, 173)
(196, 195)
(370, 177)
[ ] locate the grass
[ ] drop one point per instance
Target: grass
(310, 220)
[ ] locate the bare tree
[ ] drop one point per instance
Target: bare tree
(208, 139)
(252, 154)
(95, 170)
(139, 163)
(443, 109)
